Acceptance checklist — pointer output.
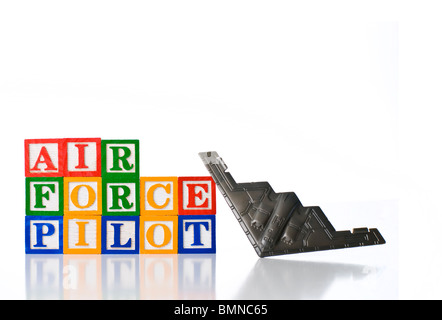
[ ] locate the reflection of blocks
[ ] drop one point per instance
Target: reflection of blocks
(159, 195)
(120, 235)
(44, 157)
(120, 159)
(44, 234)
(82, 196)
(158, 234)
(196, 234)
(82, 234)
(121, 198)
(44, 196)
(196, 195)
(83, 157)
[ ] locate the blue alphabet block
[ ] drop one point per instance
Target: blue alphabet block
(196, 234)
(120, 234)
(44, 234)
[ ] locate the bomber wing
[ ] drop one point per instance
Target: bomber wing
(277, 223)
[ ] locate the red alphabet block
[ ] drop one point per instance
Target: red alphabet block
(44, 157)
(196, 195)
(83, 157)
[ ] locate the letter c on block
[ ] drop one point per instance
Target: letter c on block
(150, 235)
(150, 197)
(91, 198)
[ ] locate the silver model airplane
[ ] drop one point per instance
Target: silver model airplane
(277, 223)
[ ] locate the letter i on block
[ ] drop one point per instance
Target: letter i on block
(44, 234)
(83, 157)
(82, 234)
(158, 234)
(44, 157)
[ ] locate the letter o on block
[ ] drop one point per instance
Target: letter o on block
(158, 234)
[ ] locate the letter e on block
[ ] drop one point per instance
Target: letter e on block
(158, 234)
(197, 195)
(44, 157)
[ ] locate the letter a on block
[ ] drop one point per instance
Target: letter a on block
(44, 157)
(83, 157)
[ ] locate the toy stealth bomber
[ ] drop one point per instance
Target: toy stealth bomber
(277, 223)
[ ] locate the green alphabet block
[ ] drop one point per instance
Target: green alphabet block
(121, 197)
(120, 159)
(44, 196)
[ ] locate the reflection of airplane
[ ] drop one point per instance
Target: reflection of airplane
(277, 223)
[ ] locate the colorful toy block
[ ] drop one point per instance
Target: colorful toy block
(121, 198)
(158, 234)
(196, 195)
(44, 157)
(83, 157)
(82, 195)
(82, 234)
(159, 195)
(120, 159)
(86, 196)
(196, 234)
(44, 234)
(120, 235)
(44, 196)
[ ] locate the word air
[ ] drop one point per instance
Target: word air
(86, 196)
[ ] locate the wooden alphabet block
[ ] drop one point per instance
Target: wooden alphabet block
(44, 234)
(44, 157)
(159, 195)
(120, 235)
(121, 197)
(196, 234)
(158, 234)
(83, 157)
(196, 195)
(82, 196)
(44, 196)
(82, 234)
(120, 159)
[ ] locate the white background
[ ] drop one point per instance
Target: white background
(335, 100)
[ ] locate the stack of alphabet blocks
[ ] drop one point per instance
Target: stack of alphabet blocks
(86, 196)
